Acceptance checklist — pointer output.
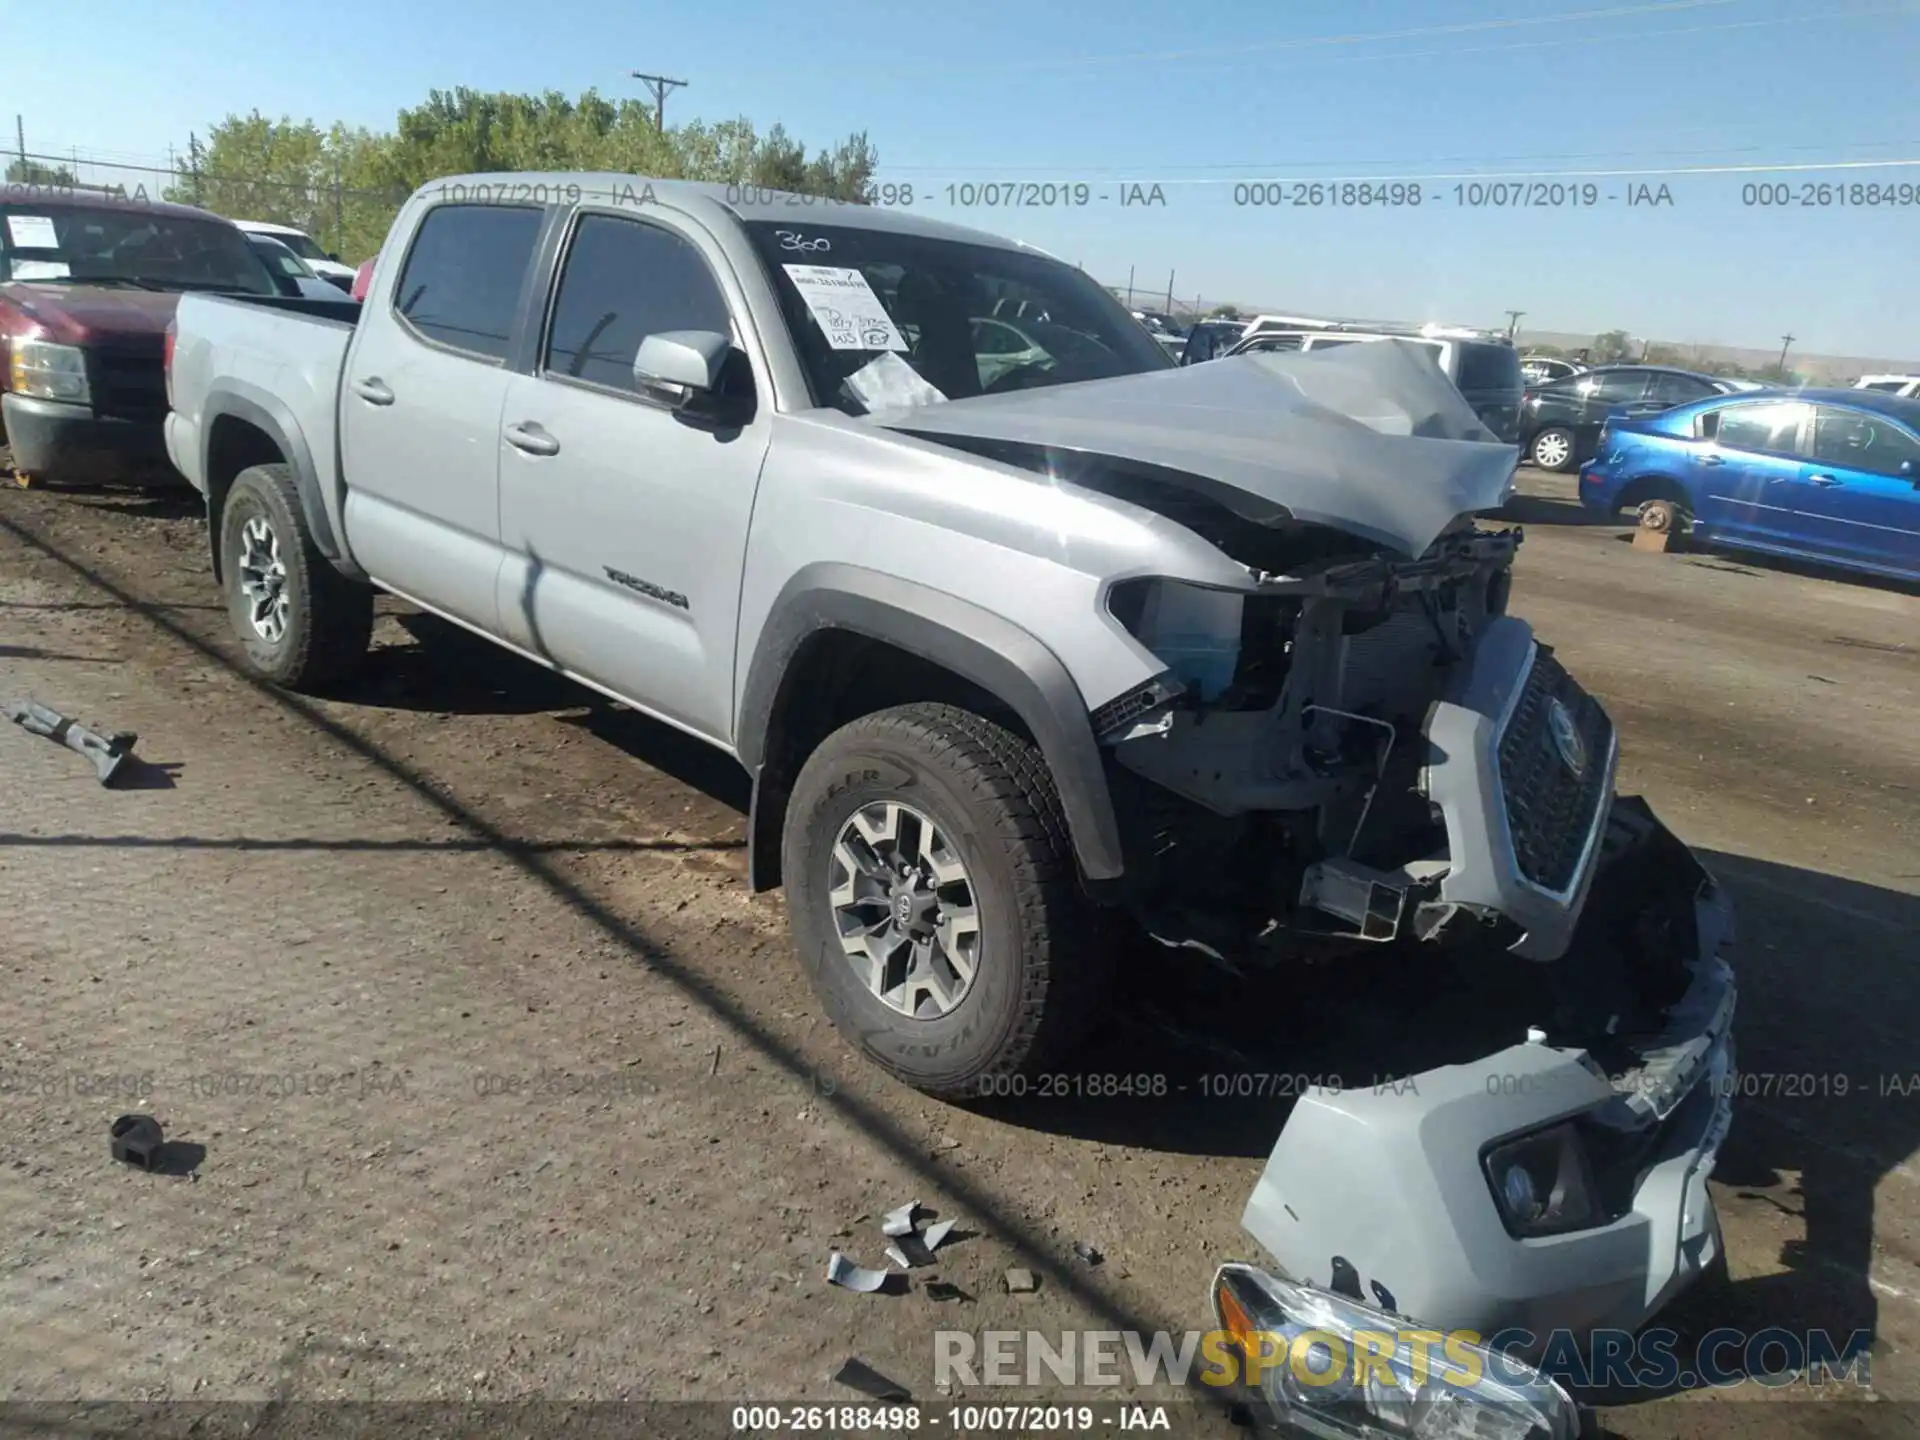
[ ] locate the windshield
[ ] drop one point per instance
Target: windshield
(276, 254)
(131, 245)
(302, 245)
(967, 319)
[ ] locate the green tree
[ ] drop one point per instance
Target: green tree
(343, 186)
(1612, 346)
(1224, 312)
(22, 171)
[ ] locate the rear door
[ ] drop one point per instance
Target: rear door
(1744, 475)
(1601, 395)
(420, 409)
(625, 519)
(1859, 498)
(1489, 377)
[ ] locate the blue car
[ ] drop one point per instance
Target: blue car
(1825, 475)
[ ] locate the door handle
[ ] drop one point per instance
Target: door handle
(373, 390)
(1825, 482)
(528, 436)
(1713, 460)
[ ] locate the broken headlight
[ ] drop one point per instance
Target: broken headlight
(1193, 630)
(1542, 1182)
(1331, 1367)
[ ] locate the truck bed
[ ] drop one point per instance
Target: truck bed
(281, 354)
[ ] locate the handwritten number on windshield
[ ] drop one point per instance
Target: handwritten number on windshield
(789, 240)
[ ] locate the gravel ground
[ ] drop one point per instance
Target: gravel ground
(507, 1089)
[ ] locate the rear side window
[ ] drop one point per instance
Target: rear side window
(1489, 367)
(461, 285)
(1768, 428)
(623, 281)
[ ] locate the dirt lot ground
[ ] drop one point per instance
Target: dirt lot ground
(507, 1089)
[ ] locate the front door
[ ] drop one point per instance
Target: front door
(625, 520)
(1744, 475)
(1859, 499)
(420, 409)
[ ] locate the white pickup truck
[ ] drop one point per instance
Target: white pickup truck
(1004, 644)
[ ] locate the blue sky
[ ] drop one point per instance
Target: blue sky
(1194, 98)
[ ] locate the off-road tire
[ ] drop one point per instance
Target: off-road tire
(1039, 979)
(329, 619)
(1559, 447)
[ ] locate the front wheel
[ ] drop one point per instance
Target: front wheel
(301, 623)
(934, 899)
(1552, 448)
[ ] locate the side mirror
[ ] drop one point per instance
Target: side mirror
(333, 256)
(682, 363)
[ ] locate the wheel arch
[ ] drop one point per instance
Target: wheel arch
(1652, 485)
(244, 427)
(933, 646)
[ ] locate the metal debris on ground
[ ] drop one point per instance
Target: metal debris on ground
(898, 1257)
(856, 1374)
(935, 1233)
(896, 1223)
(849, 1276)
(1022, 1282)
(136, 1140)
(946, 1290)
(1087, 1253)
(107, 752)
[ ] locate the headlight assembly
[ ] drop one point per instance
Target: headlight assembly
(42, 370)
(1195, 630)
(1331, 1367)
(1543, 1184)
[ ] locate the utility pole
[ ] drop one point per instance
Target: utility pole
(1130, 287)
(660, 85)
(1170, 294)
(20, 138)
(1785, 341)
(1513, 321)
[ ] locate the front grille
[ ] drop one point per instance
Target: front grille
(1551, 809)
(132, 386)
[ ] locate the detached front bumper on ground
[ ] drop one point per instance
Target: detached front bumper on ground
(1388, 1194)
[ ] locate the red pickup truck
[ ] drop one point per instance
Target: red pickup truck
(88, 285)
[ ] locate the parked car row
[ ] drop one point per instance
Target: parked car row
(88, 285)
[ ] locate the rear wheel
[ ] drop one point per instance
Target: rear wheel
(301, 623)
(1662, 517)
(1552, 448)
(934, 899)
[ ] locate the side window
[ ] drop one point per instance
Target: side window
(992, 338)
(1678, 389)
(1861, 442)
(1618, 387)
(1767, 429)
(461, 285)
(623, 281)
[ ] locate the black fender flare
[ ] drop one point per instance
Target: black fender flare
(268, 414)
(957, 635)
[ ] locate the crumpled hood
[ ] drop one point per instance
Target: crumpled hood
(1370, 438)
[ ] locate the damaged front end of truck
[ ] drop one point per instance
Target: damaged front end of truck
(1349, 746)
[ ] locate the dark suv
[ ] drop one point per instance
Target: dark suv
(1560, 421)
(88, 283)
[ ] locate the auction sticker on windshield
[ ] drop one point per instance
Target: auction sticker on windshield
(32, 232)
(850, 314)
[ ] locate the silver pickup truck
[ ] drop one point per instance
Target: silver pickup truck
(1020, 629)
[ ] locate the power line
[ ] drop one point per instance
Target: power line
(1658, 7)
